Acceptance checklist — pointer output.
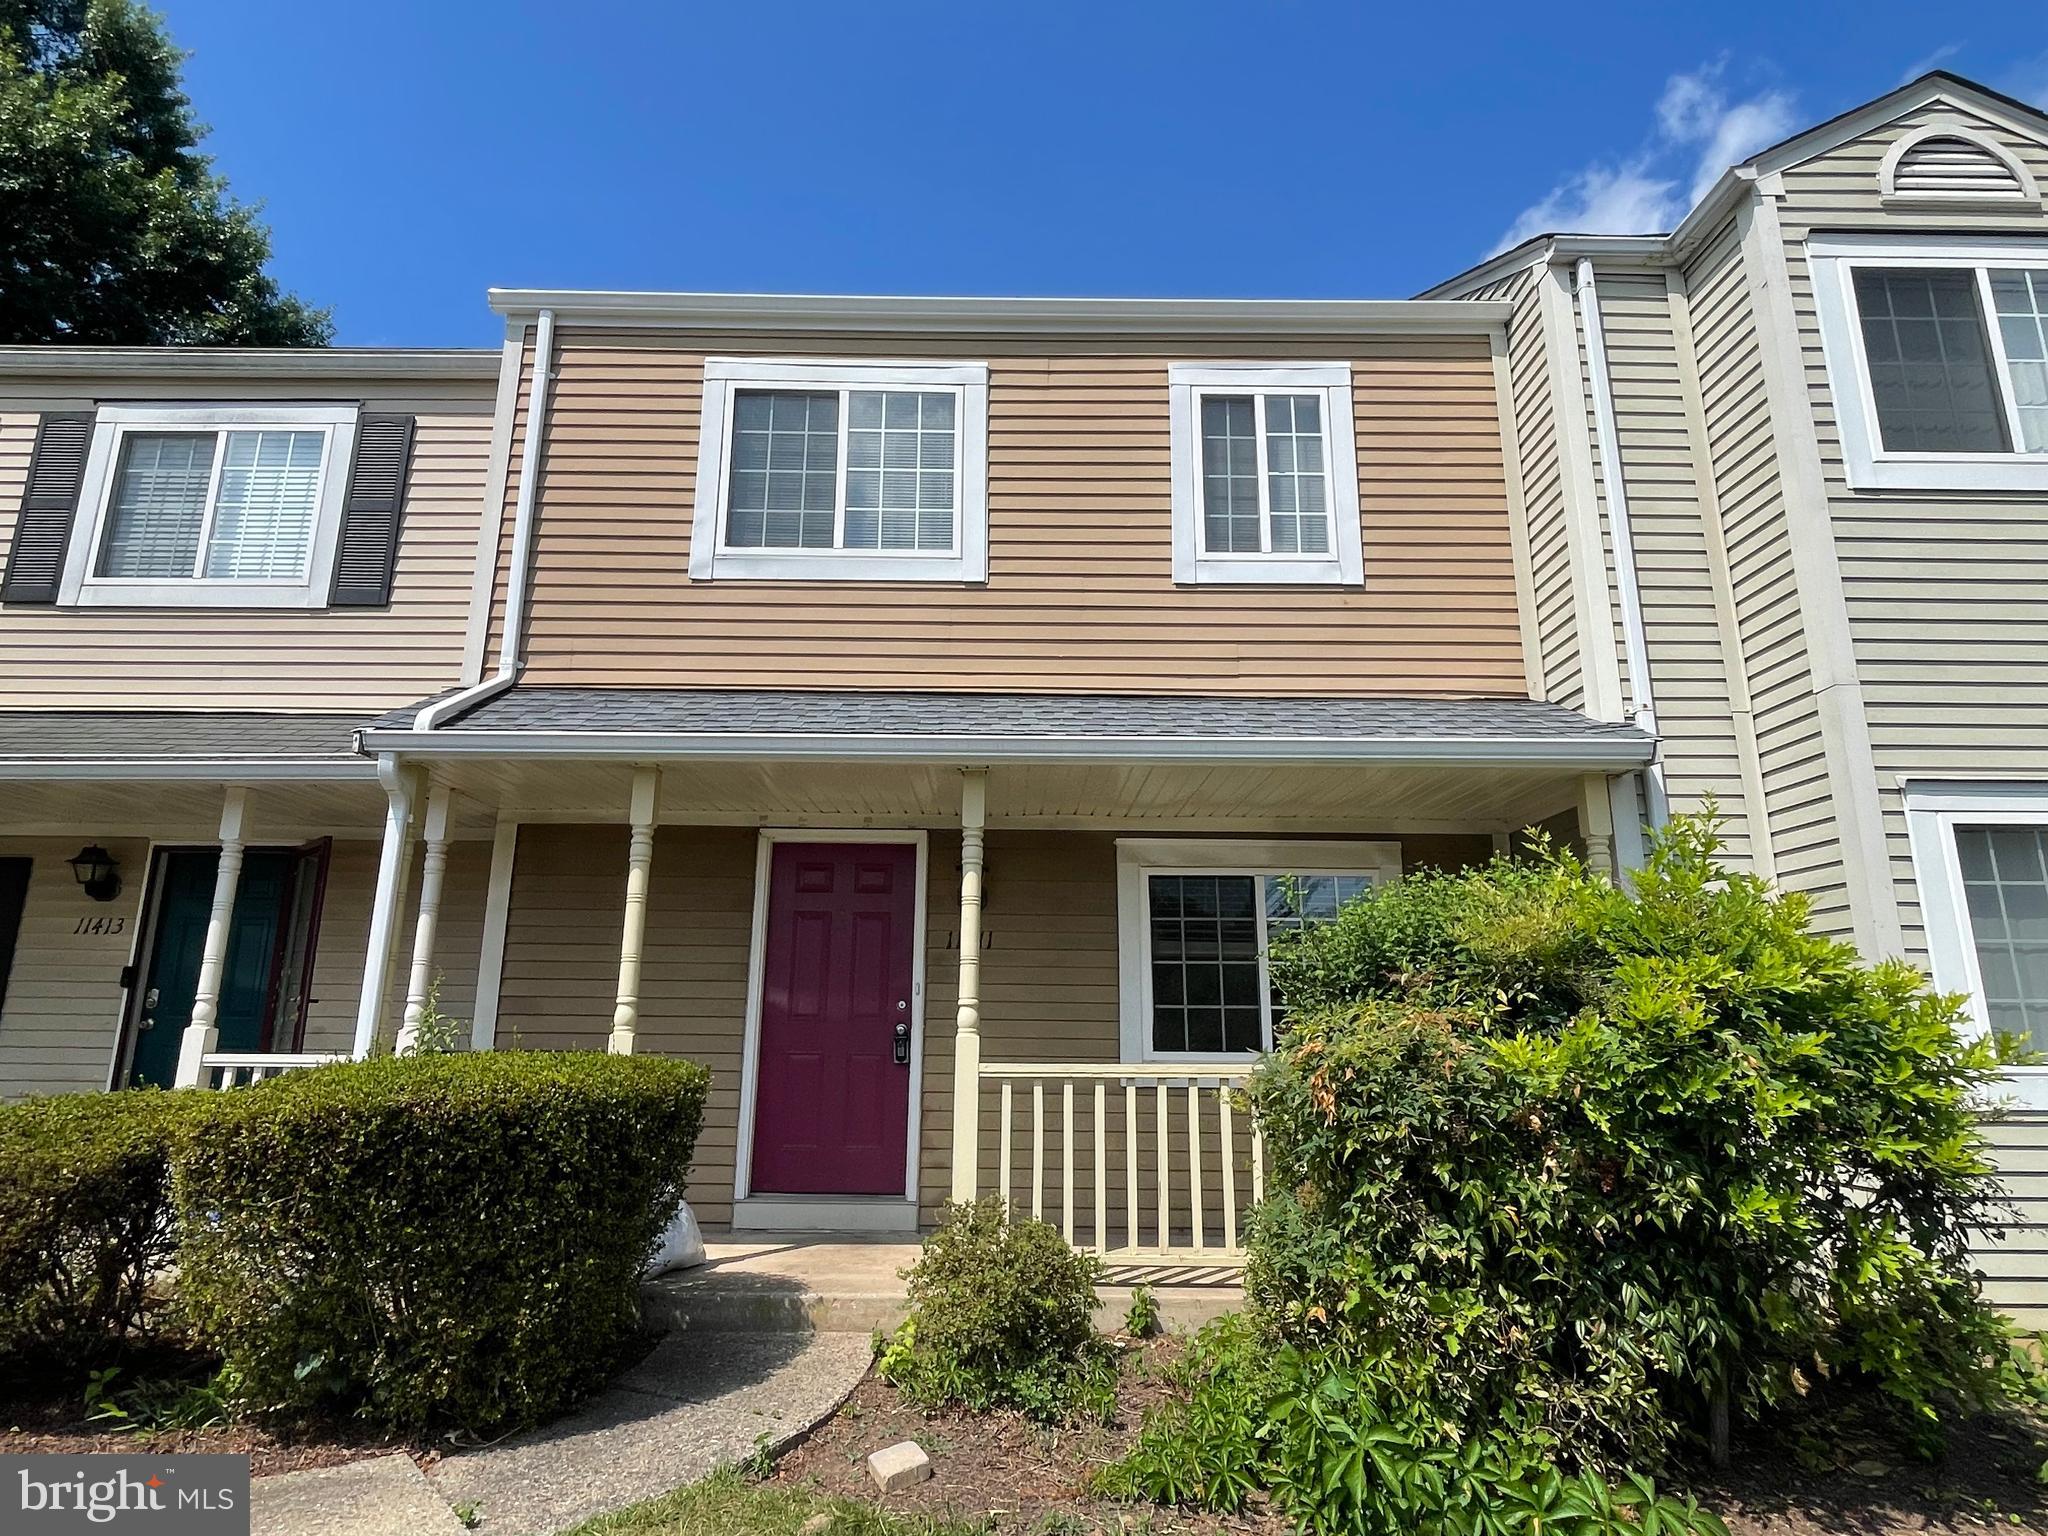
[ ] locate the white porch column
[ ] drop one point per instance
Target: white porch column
(490, 967)
(433, 871)
(1596, 823)
(967, 1021)
(639, 863)
(399, 788)
(202, 1034)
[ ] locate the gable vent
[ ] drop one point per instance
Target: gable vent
(1951, 167)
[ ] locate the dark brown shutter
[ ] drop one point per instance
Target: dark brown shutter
(49, 505)
(369, 520)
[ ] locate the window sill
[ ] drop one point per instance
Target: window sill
(193, 594)
(1208, 572)
(2020, 472)
(818, 565)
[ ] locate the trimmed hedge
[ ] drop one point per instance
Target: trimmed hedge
(433, 1243)
(84, 1221)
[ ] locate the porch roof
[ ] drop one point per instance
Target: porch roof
(177, 743)
(998, 727)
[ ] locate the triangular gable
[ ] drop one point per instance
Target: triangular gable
(1937, 87)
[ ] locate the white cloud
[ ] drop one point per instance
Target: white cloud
(1600, 200)
(1934, 60)
(1699, 133)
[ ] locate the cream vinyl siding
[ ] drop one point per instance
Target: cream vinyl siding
(1557, 640)
(64, 995)
(1080, 592)
(1947, 595)
(2015, 1261)
(1798, 800)
(62, 1016)
(367, 658)
(1688, 671)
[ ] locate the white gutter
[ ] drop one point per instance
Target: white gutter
(1635, 639)
(907, 747)
(510, 661)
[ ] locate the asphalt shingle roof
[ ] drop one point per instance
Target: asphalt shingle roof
(863, 712)
(198, 735)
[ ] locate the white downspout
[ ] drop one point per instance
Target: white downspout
(510, 661)
(1634, 638)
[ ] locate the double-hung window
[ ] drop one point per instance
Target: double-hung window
(842, 470)
(1980, 860)
(1937, 353)
(210, 506)
(1195, 917)
(1265, 477)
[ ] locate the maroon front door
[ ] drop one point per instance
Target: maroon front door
(831, 1101)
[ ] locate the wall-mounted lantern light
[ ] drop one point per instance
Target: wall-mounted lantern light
(96, 870)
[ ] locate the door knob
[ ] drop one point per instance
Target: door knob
(146, 1023)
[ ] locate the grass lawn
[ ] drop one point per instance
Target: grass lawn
(727, 1504)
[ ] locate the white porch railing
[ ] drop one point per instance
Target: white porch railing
(238, 1069)
(1190, 1162)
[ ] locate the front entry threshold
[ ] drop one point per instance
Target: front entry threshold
(824, 1213)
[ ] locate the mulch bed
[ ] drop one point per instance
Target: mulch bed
(1004, 1471)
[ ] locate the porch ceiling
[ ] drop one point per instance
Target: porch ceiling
(188, 809)
(1310, 797)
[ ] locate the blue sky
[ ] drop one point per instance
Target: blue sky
(410, 155)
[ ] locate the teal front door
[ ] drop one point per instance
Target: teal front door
(267, 940)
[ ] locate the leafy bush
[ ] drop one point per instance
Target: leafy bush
(1002, 1315)
(433, 1242)
(84, 1221)
(1557, 1168)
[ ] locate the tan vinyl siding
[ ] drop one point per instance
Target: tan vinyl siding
(368, 658)
(62, 1014)
(1947, 594)
(1080, 592)
(1805, 836)
(1049, 965)
(1688, 671)
(1557, 641)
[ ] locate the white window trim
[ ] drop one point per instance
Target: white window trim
(1866, 465)
(710, 560)
(1954, 128)
(1192, 565)
(80, 588)
(1139, 857)
(1933, 812)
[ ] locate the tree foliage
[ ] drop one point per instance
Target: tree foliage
(114, 229)
(1559, 1167)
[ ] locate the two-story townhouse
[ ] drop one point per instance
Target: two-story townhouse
(923, 710)
(1789, 513)
(218, 564)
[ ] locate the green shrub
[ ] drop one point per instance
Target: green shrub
(1002, 1315)
(84, 1221)
(1556, 1168)
(434, 1242)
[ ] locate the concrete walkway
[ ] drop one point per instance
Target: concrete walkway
(383, 1496)
(701, 1400)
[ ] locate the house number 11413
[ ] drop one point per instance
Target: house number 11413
(105, 924)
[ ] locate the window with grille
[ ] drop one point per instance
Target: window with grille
(1938, 354)
(824, 470)
(1265, 477)
(1206, 934)
(2005, 896)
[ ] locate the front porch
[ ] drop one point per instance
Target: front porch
(919, 969)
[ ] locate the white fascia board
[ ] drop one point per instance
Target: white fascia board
(814, 313)
(1646, 251)
(171, 769)
(1423, 751)
(213, 363)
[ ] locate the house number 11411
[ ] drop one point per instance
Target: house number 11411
(104, 924)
